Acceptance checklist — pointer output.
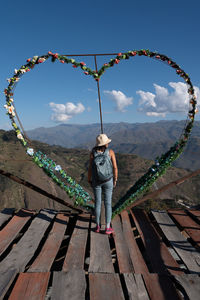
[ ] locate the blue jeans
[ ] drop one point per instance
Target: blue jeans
(107, 189)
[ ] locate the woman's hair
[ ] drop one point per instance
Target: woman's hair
(100, 148)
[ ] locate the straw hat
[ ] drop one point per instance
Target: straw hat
(102, 140)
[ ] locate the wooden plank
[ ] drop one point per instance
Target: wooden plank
(12, 229)
(123, 255)
(69, 285)
(5, 215)
(24, 250)
(187, 224)
(32, 286)
(76, 251)
(105, 286)
(160, 287)
(45, 259)
(195, 214)
(100, 253)
(135, 287)
(135, 254)
(159, 256)
(191, 286)
(183, 248)
(6, 279)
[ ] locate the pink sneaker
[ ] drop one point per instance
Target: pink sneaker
(97, 229)
(109, 230)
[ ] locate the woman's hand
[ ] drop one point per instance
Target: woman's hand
(114, 182)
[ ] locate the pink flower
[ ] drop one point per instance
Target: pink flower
(119, 54)
(41, 60)
(29, 59)
(74, 66)
(27, 70)
(86, 73)
(133, 53)
(62, 61)
(117, 61)
(50, 53)
(169, 62)
(82, 63)
(157, 56)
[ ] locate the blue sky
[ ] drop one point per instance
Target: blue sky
(135, 90)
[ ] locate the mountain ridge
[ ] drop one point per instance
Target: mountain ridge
(148, 140)
(14, 160)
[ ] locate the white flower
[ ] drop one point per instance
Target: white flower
(8, 79)
(22, 71)
(30, 151)
(19, 136)
(10, 109)
(58, 168)
(16, 71)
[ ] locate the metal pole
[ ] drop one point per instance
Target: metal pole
(95, 59)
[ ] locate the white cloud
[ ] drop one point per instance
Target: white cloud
(64, 112)
(164, 102)
(120, 99)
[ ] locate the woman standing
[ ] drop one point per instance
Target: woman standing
(102, 175)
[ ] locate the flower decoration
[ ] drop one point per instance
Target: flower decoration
(30, 151)
(58, 168)
(73, 189)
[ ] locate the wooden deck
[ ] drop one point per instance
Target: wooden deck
(57, 255)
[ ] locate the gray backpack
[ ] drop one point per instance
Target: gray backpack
(102, 168)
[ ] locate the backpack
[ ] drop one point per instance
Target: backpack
(102, 168)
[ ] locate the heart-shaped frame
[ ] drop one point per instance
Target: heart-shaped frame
(74, 190)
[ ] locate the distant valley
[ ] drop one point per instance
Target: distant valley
(13, 159)
(147, 140)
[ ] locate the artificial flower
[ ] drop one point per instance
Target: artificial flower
(30, 151)
(19, 136)
(58, 168)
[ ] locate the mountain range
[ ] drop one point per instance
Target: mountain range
(14, 160)
(147, 140)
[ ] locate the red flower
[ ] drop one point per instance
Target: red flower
(144, 52)
(133, 53)
(158, 56)
(29, 59)
(169, 62)
(178, 71)
(50, 53)
(62, 61)
(74, 66)
(55, 55)
(82, 63)
(117, 61)
(119, 54)
(86, 73)
(27, 70)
